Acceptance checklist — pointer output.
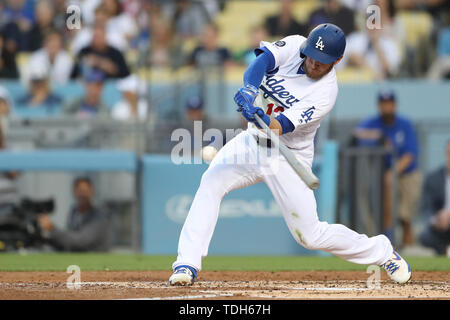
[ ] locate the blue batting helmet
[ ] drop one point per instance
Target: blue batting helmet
(325, 43)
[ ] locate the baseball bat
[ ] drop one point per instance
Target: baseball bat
(303, 171)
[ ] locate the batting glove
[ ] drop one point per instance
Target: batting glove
(245, 95)
(249, 111)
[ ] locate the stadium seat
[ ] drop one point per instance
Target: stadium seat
(355, 75)
(302, 9)
(238, 18)
(416, 25)
(415, 41)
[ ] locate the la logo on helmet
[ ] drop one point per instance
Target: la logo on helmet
(319, 44)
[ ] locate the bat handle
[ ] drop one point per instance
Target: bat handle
(304, 172)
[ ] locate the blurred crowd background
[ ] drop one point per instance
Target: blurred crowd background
(137, 42)
(123, 74)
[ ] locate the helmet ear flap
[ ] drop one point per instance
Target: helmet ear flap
(302, 47)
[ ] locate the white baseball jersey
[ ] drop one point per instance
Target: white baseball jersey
(288, 90)
(242, 163)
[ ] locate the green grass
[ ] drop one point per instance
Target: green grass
(60, 262)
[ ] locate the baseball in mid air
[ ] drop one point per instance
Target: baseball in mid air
(208, 153)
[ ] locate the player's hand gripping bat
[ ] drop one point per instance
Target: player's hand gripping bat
(304, 172)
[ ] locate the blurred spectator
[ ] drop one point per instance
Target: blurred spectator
(133, 7)
(439, 9)
(53, 57)
(131, 106)
(40, 96)
(8, 67)
(375, 49)
(5, 110)
(357, 5)
(44, 14)
(189, 18)
(16, 10)
(195, 115)
(163, 49)
(90, 104)
(83, 37)
(257, 34)
(119, 22)
(209, 53)
(99, 55)
(332, 11)
(284, 23)
(440, 69)
(88, 228)
(194, 109)
(60, 16)
(16, 20)
(88, 8)
(436, 207)
(399, 137)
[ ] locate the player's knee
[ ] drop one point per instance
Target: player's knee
(312, 238)
(212, 182)
(310, 244)
(306, 240)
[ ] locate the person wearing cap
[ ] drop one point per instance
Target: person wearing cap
(397, 133)
(90, 104)
(291, 86)
(40, 97)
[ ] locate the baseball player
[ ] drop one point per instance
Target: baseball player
(292, 86)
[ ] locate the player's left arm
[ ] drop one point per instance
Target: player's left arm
(280, 124)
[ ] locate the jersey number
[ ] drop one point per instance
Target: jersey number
(270, 109)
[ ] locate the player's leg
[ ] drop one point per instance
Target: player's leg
(234, 166)
(298, 204)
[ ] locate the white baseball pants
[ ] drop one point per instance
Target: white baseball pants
(241, 163)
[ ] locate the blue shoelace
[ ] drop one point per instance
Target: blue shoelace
(391, 267)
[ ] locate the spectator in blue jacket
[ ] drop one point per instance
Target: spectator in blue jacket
(397, 133)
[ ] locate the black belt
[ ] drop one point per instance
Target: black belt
(263, 142)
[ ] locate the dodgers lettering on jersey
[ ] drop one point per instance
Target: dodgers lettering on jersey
(288, 90)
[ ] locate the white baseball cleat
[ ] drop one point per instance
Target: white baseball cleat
(397, 268)
(183, 276)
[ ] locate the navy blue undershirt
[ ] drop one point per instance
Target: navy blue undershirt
(263, 64)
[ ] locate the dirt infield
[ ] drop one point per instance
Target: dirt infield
(222, 285)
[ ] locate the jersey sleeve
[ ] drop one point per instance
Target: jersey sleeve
(311, 110)
(282, 50)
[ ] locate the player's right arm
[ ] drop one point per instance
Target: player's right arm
(269, 57)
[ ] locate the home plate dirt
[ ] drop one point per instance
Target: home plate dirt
(221, 285)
